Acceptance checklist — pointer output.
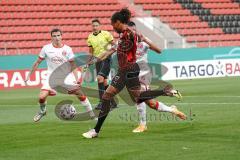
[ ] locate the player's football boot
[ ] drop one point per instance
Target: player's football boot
(90, 134)
(140, 128)
(169, 91)
(39, 115)
(178, 113)
(177, 94)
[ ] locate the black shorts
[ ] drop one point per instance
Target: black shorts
(103, 67)
(128, 77)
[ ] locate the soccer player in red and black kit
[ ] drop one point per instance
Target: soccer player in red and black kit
(127, 74)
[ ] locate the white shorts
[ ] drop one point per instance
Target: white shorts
(69, 84)
(145, 75)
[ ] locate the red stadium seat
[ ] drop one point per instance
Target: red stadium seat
(200, 31)
(180, 18)
(162, 6)
(225, 11)
(210, 1)
(199, 21)
(220, 5)
(172, 13)
(152, 1)
(27, 23)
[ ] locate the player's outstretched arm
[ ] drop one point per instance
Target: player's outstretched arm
(103, 55)
(152, 46)
(33, 69)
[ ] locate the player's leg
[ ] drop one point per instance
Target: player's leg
(134, 90)
(116, 86)
(145, 77)
(100, 80)
(103, 70)
(167, 91)
(42, 103)
(161, 107)
(141, 108)
(113, 103)
(86, 103)
(107, 96)
(101, 90)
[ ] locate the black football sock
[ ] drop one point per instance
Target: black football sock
(102, 115)
(147, 95)
(101, 90)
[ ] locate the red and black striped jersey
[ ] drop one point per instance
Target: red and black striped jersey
(127, 47)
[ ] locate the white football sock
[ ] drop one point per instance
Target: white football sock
(164, 108)
(88, 107)
(141, 108)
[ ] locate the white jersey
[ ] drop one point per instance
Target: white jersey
(56, 56)
(142, 50)
(145, 75)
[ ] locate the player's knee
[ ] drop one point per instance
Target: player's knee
(107, 96)
(42, 97)
(100, 79)
(82, 98)
(151, 104)
(41, 100)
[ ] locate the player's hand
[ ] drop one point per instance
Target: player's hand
(92, 61)
(25, 81)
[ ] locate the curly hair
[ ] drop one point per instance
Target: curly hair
(123, 16)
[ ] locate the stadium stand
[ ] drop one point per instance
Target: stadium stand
(25, 24)
(204, 22)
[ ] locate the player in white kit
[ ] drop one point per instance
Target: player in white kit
(56, 54)
(145, 77)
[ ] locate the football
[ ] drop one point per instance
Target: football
(67, 111)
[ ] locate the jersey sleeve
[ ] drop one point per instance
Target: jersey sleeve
(108, 36)
(42, 54)
(89, 43)
(70, 54)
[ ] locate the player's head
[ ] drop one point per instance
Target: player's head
(120, 19)
(56, 35)
(96, 25)
(132, 25)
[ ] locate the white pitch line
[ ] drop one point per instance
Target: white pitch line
(213, 96)
(200, 103)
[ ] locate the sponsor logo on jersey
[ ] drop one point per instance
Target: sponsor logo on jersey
(57, 60)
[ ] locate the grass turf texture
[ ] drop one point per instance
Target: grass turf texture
(212, 133)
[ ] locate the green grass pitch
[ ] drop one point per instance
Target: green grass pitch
(211, 132)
